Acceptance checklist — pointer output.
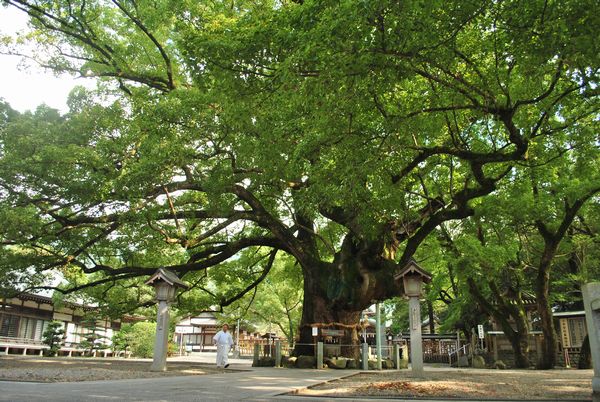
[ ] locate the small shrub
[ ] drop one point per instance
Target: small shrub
(121, 339)
(53, 337)
(93, 339)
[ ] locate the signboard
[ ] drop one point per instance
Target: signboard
(564, 331)
(416, 321)
(480, 331)
(332, 332)
(62, 317)
(315, 331)
(184, 329)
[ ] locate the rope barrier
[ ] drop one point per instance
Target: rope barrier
(341, 345)
(332, 324)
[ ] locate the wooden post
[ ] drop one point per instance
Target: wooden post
(495, 343)
(319, 355)
(378, 334)
(397, 356)
(404, 358)
(278, 353)
(256, 355)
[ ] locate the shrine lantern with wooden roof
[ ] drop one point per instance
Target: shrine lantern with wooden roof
(166, 283)
(413, 276)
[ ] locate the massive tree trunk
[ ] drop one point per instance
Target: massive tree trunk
(318, 312)
(335, 294)
(519, 338)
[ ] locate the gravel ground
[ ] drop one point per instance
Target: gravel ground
(67, 369)
(447, 383)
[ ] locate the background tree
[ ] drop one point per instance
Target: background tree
(121, 339)
(93, 336)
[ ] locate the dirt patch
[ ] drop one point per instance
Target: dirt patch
(69, 369)
(470, 384)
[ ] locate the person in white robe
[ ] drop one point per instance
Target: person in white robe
(224, 343)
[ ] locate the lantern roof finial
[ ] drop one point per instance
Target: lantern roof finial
(412, 268)
(165, 275)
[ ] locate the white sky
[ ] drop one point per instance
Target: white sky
(25, 89)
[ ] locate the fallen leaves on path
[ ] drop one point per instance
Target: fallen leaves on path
(467, 383)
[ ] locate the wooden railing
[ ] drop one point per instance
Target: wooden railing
(25, 344)
(21, 341)
(246, 347)
(464, 350)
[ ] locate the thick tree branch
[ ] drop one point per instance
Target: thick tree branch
(254, 284)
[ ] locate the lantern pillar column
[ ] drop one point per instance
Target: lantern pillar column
(591, 301)
(161, 343)
(416, 342)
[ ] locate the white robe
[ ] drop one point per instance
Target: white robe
(224, 342)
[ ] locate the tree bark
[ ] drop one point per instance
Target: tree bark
(335, 294)
(291, 329)
(503, 311)
(320, 315)
(431, 317)
(552, 240)
(520, 345)
(547, 358)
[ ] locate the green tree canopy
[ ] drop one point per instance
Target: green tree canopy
(340, 133)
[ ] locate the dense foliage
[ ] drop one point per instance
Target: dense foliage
(138, 339)
(350, 136)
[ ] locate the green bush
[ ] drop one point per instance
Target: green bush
(173, 348)
(140, 339)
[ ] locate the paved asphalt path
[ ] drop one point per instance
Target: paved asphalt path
(240, 383)
(259, 384)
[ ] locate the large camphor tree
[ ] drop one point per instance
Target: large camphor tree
(223, 133)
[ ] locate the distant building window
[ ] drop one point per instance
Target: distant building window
(40, 327)
(9, 325)
(31, 328)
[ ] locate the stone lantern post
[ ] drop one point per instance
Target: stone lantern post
(165, 283)
(591, 301)
(413, 276)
